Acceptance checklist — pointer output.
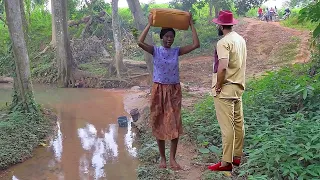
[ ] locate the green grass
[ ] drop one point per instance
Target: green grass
(253, 13)
(148, 155)
(20, 133)
(282, 126)
(294, 23)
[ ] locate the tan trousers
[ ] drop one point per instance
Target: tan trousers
(230, 117)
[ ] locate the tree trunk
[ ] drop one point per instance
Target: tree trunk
(64, 56)
(210, 8)
(23, 85)
(117, 39)
(53, 36)
(25, 33)
(140, 22)
(24, 20)
(216, 11)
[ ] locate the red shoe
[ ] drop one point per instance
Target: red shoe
(217, 167)
(236, 161)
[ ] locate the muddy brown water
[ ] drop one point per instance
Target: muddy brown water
(88, 144)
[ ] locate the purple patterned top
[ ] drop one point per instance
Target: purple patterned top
(166, 65)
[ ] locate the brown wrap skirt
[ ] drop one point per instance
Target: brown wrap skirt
(166, 111)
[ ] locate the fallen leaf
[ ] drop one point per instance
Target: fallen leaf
(43, 144)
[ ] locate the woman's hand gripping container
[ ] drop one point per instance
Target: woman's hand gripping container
(123, 121)
(170, 18)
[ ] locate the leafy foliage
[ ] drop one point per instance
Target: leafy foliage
(223, 4)
(295, 3)
(20, 133)
(253, 12)
(1, 7)
(294, 22)
(244, 6)
(186, 5)
(77, 9)
(196, 6)
(312, 13)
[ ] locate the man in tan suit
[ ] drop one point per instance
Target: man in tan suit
(228, 86)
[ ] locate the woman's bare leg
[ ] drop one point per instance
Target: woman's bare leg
(162, 150)
(173, 150)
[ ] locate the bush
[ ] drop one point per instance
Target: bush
(253, 12)
(282, 125)
(20, 133)
(39, 35)
(293, 21)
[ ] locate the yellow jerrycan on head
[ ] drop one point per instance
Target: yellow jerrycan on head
(170, 18)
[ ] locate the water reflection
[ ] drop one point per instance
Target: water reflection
(110, 140)
(56, 143)
(104, 147)
(129, 137)
(87, 136)
(84, 167)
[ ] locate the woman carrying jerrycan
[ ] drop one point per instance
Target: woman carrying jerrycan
(166, 95)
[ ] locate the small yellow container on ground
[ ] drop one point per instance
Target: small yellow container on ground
(170, 18)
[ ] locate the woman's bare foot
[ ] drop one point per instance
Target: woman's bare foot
(163, 164)
(174, 165)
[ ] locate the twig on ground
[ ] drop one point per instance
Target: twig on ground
(201, 164)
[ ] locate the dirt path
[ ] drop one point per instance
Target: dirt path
(263, 43)
(304, 53)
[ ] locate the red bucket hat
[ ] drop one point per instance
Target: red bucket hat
(225, 18)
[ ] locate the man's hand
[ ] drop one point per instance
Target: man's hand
(218, 90)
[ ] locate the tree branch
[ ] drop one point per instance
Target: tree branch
(86, 19)
(201, 164)
(86, 28)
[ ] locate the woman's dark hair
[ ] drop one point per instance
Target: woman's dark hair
(165, 30)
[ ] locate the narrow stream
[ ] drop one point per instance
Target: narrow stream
(88, 144)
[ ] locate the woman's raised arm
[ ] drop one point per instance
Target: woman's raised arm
(141, 43)
(195, 39)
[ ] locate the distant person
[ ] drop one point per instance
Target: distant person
(267, 15)
(272, 13)
(260, 12)
(286, 13)
(228, 84)
(166, 95)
